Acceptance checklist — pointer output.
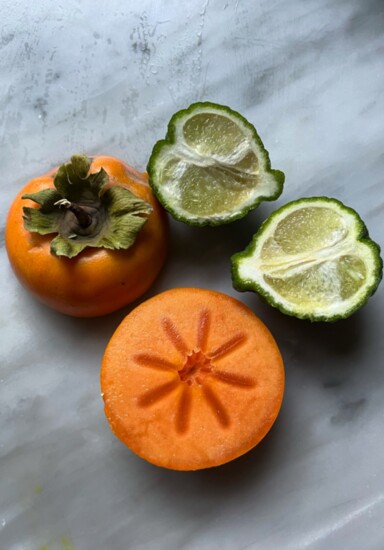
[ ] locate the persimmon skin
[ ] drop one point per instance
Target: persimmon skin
(99, 280)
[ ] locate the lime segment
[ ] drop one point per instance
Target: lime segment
(202, 192)
(311, 259)
(212, 167)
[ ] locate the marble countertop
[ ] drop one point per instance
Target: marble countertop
(104, 78)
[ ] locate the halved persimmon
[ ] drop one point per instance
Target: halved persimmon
(191, 379)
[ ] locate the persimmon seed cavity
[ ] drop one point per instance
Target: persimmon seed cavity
(196, 366)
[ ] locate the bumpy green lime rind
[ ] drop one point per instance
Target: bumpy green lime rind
(276, 176)
(361, 235)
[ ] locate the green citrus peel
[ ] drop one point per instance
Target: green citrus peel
(84, 211)
(212, 167)
(312, 259)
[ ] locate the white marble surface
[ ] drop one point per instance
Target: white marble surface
(104, 77)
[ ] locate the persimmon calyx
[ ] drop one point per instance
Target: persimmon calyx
(85, 211)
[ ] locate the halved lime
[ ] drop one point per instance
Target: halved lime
(312, 259)
(212, 167)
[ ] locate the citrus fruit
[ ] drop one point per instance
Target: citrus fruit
(212, 167)
(191, 379)
(312, 259)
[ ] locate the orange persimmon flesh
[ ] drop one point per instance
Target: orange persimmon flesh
(191, 379)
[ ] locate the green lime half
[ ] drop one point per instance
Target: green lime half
(312, 259)
(212, 167)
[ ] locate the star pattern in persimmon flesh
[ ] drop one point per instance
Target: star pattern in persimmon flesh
(198, 367)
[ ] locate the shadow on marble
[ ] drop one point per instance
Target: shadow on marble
(188, 493)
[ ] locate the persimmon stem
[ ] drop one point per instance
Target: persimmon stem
(83, 217)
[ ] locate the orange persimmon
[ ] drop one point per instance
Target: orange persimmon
(111, 236)
(191, 379)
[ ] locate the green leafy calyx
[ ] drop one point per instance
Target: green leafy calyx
(85, 211)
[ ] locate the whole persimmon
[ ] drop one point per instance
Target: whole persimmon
(88, 237)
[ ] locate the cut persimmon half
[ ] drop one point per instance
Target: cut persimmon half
(191, 379)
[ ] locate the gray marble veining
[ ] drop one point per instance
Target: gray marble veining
(95, 77)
